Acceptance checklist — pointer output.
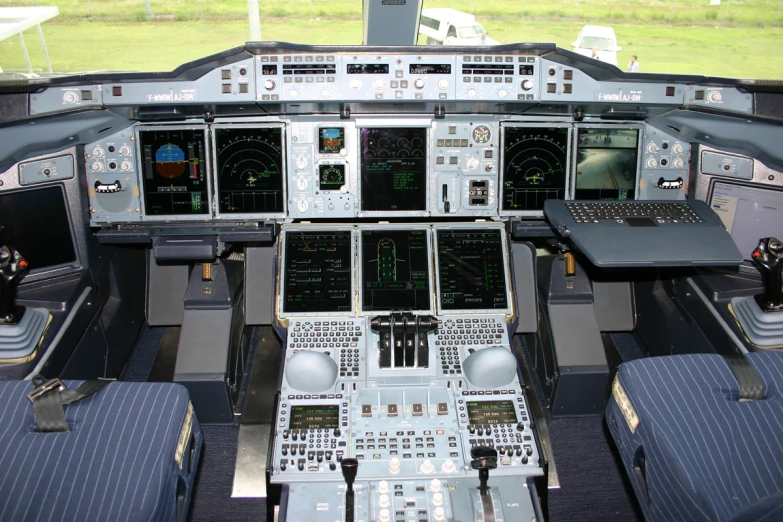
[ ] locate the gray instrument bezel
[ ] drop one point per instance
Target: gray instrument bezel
(216, 174)
(502, 163)
(619, 125)
(398, 226)
(209, 216)
(326, 228)
(478, 227)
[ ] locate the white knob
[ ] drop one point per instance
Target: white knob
(678, 163)
(269, 85)
(293, 93)
(419, 83)
(427, 467)
(97, 166)
(383, 501)
(437, 499)
(472, 93)
(331, 206)
(301, 184)
(70, 97)
(347, 206)
(343, 152)
(383, 486)
(714, 96)
(97, 152)
(378, 84)
(652, 162)
(448, 467)
(356, 84)
(384, 516)
(325, 93)
(394, 464)
(652, 147)
(344, 189)
(439, 514)
(472, 163)
(435, 485)
(302, 206)
(677, 148)
(126, 165)
(125, 150)
(301, 162)
(502, 93)
(527, 85)
(443, 84)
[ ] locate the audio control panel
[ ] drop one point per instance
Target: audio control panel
(664, 167)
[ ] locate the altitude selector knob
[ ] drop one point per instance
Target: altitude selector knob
(527, 85)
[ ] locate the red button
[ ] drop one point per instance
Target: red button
(23, 263)
(756, 254)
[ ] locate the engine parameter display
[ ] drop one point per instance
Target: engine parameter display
(250, 170)
(394, 169)
(331, 140)
(491, 412)
(606, 163)
(534, 166)
(471, 270)
(317, 275)
(175, 174)
(316, 417)
(395, 270)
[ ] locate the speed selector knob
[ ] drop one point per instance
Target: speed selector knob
(419, 83)
(378, 84)
(269, 85)
(527, 85)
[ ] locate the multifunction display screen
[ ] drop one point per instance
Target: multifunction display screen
(331, 140)
(316, 417)
(471, 270)
(606, 163)
(491, 412)
(535, 166)
(395, 270)
(317, 272)
(250, 170)
(175, 172)
(394, 169)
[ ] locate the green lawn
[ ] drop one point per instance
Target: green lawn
(81, 45)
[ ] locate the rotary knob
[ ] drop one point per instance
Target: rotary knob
(677, 148)
(419, 83)
(472, 93)
(427, 467)
(126, 165)
(302, 206)
(678, 163)
(293, 93)
(652, 148)
(301, 184)
(356, 84)
(383, 487)
(70, 97)
(439, 514)
(437, 499)
(125, 150)
(384, 516)
(383, 501)
(394, 465)
(443, 84)
(378, 84)
(652, 162)
(448, 467)
(97, 166)
(325, 93)
(301, 162)
(472, 163)
(97, 152)
(435, 485)
(502, 93)
(269, 85)
(527, 85)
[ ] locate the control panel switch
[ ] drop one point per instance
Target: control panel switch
(383, 487)
(366, 410)
(443, 408)
(394, 466)
(435, 485)
(437, 499)
(439, 514)
(417, 409)
(391, 410)
(427, 467)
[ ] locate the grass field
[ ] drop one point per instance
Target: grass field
(117, 35)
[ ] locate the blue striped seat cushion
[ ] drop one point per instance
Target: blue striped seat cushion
(116, 464)
(707, 455)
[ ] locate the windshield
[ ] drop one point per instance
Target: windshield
(707, 37)
(595, 42)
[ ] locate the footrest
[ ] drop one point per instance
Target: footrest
(19, 341)
(761, 328)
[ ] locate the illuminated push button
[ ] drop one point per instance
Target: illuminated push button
(427, 467)
(439, 514)
(384, 516)
(437, 499)
(394, 465)
(443, 84)
(435, 485)
(383, 501)
(383, 487)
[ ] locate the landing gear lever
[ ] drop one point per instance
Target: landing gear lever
(768, 257)
(349, 468)
(12, 267)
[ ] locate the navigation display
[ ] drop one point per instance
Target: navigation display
(249, 170)
(175, 173)
(394, 169)
(316, 417)
(36, 223)
(606, 161)
(535, 166)
(331, 140)
(491, 412)
(317, 272)
(395, 270)
(748, 213)
(471, 270)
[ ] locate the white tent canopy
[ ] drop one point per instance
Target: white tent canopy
(15, 20)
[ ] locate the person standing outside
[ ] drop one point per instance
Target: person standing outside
(595, 54)
(633, 65)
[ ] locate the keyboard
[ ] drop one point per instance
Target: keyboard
(638, 213)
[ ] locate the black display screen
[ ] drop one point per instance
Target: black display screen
(331, 140)
(317, 274)
(331, 177)
(430, 68)
(175, 172)
(471, 270)
(36, 223)
(316, 417)
(368, 68)
(395, 271)
(526, 70)
(491, 412)
(606, 163)
(249, 170)
(394, 169)
(535, 166)
(269, 70)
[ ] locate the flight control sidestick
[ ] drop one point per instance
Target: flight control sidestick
(484, 459)
(349, 468)
(768, 257)
(12, 267)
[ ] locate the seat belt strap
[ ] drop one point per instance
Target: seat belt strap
(50, 395)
